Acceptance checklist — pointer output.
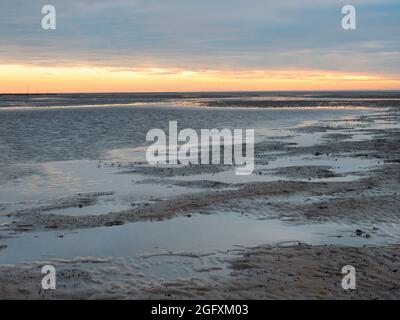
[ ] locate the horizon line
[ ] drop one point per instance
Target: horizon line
(204, 91)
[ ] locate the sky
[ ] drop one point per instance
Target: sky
(192, 45)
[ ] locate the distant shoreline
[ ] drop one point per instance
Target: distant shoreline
(397, 91)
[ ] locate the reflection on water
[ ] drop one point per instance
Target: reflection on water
(199, 233)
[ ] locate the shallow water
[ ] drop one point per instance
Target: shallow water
(50, 153)
(197, 234)
(63, 178)
(38, 135)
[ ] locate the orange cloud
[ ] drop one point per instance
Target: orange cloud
(15, 78)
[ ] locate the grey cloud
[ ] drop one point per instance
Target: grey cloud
(256, 34)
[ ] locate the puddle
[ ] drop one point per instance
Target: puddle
(62, 179)
(100, 207)
(339, 165)
(200, 233)
(358, 137)
(306, 139)
(386, 124)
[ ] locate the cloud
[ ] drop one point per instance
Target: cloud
(207, 34)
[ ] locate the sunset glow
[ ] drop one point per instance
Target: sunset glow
(151, 46)
(16, 78)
